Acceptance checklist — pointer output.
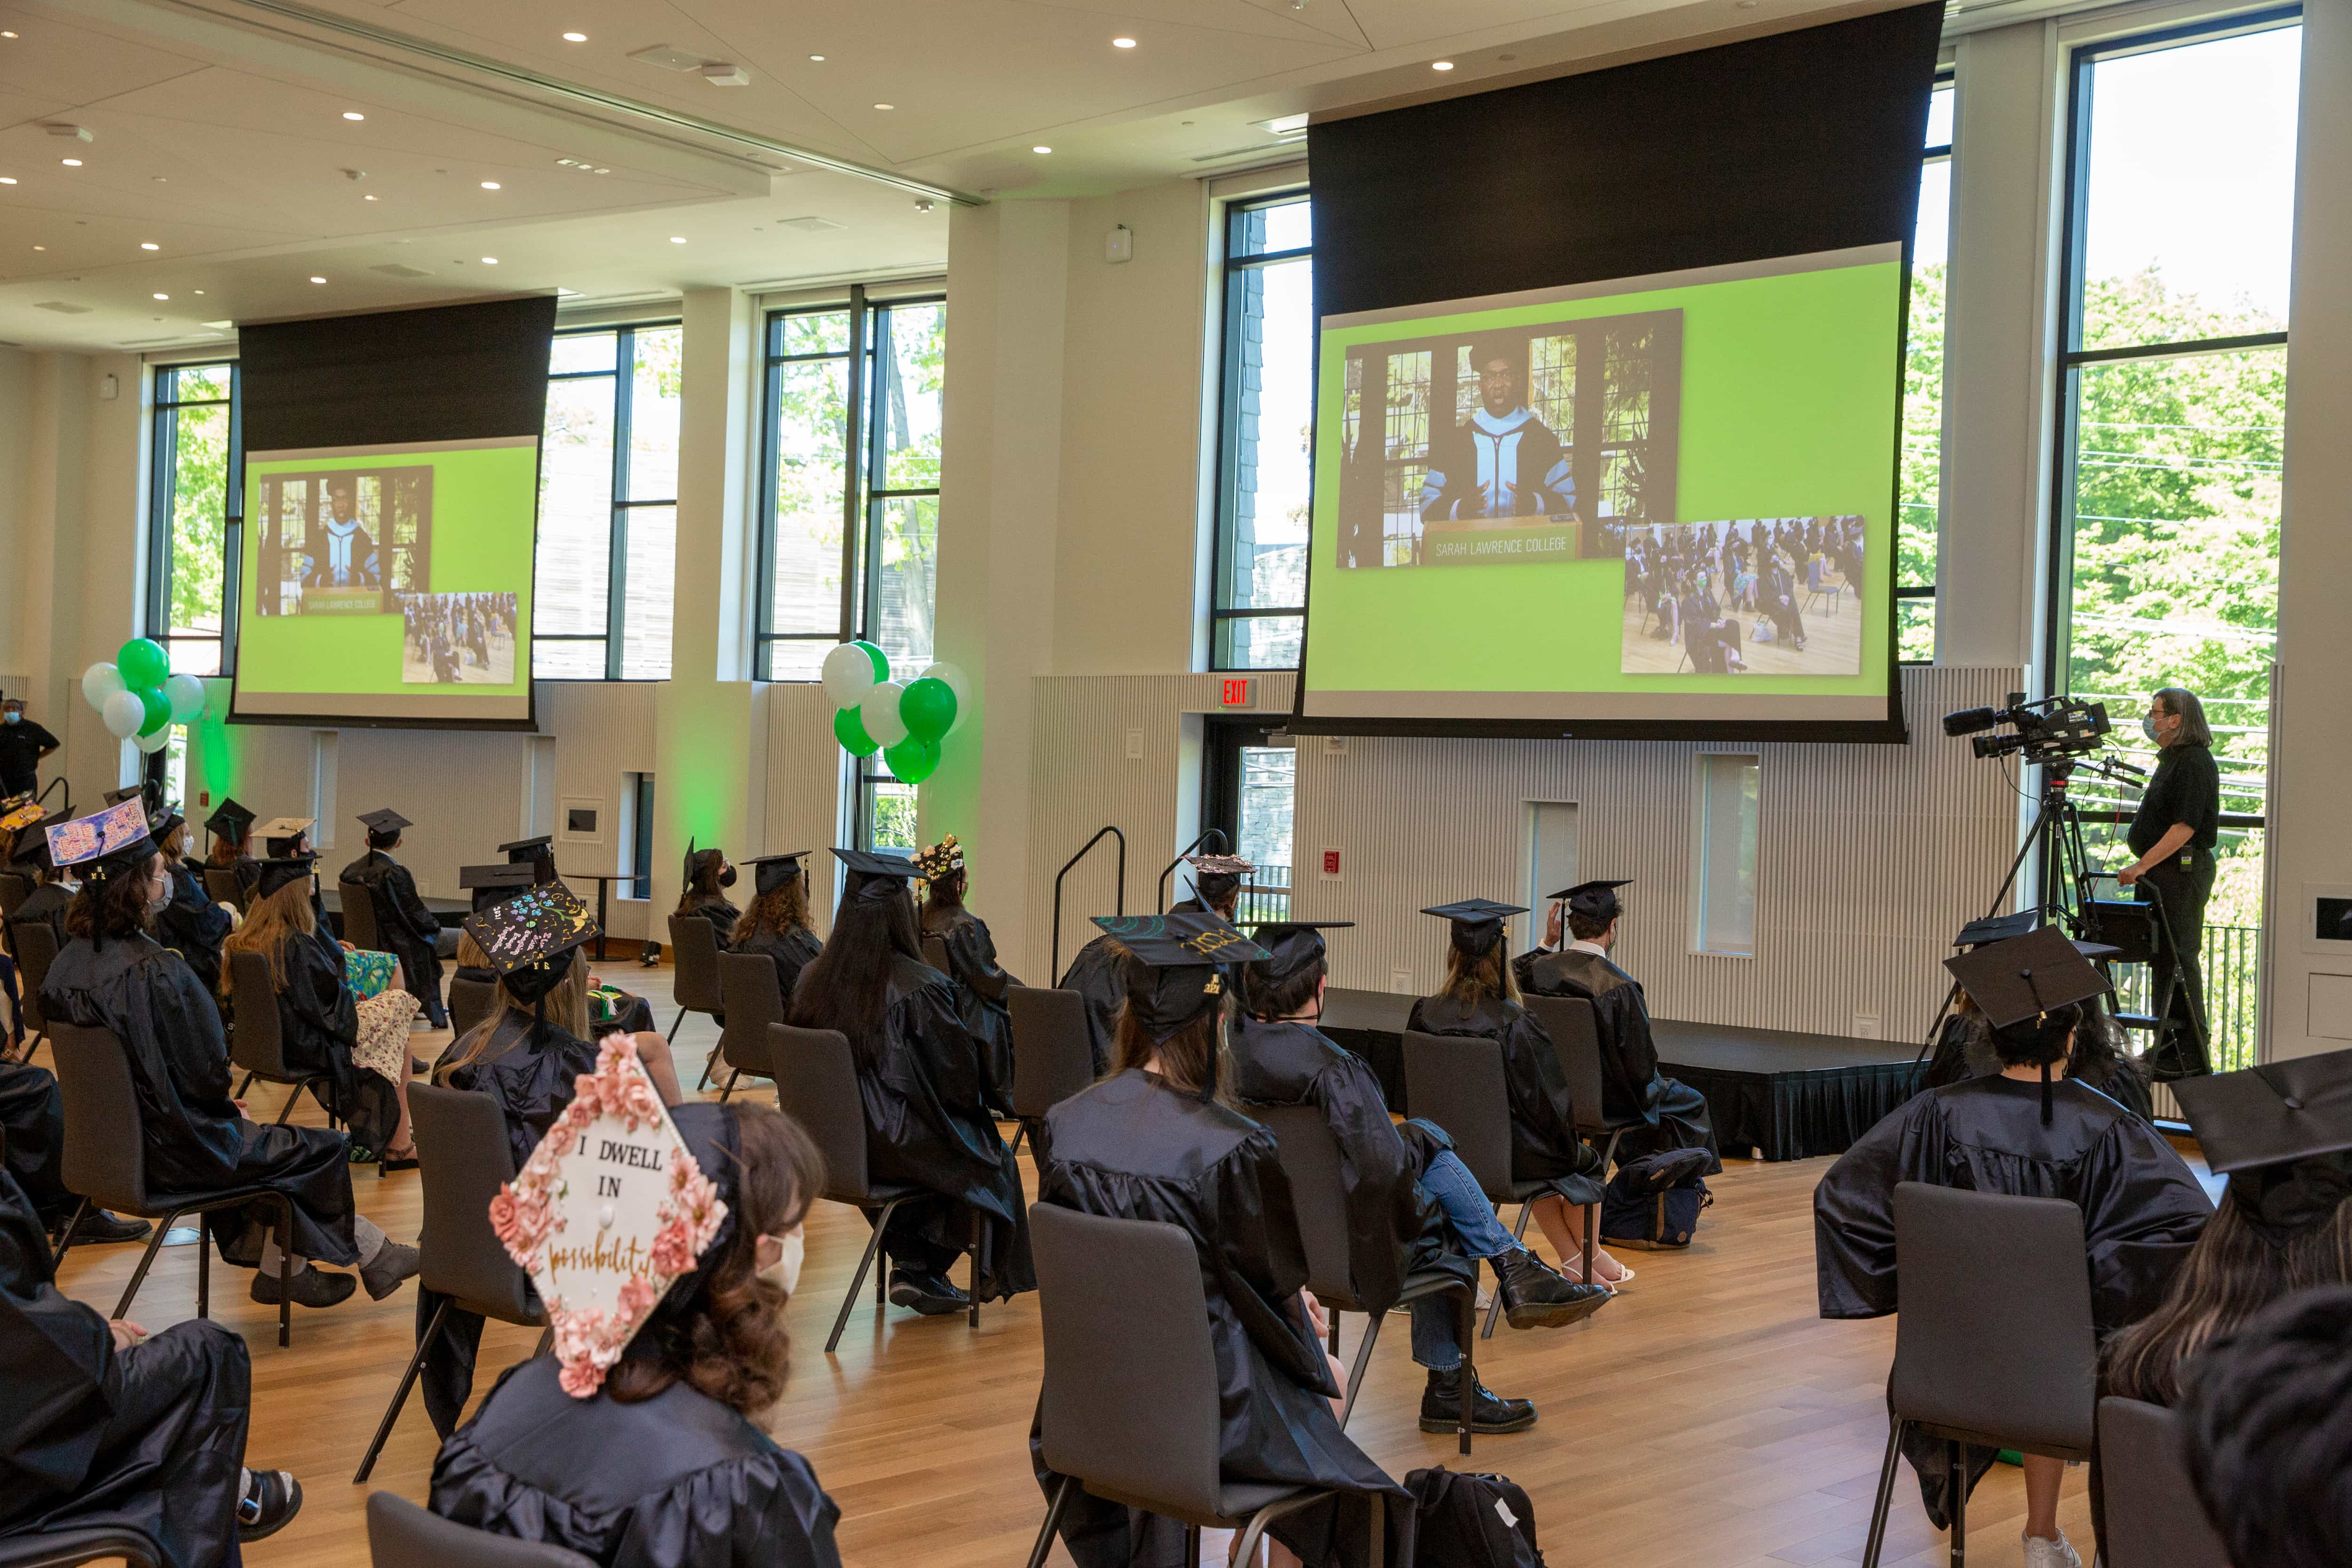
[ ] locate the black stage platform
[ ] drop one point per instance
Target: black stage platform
(1789, 1095)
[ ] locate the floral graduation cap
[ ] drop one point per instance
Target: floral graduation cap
(939, 859)
(614, 1211)
(120, 827)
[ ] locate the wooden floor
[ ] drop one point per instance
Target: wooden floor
(1707, 1416)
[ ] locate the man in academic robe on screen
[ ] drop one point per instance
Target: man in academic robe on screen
(1503, 461)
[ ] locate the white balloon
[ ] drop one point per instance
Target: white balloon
(958, 682)
(123, 714)
(156, 742)
(99, 682)
(848, 676)
(186, 694)
(879, 711)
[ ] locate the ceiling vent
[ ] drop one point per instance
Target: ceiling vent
(813, 225)
(401, 269)
(668, 58)
(62, 309)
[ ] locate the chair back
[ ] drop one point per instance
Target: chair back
(463, 1158)
(2153, 1517)
(1576, 1041)
(106, 1146)
(1052, 1055)
(754, 999)
(1310, 1159)
(470, 1002)
(34, 943)
(2019, 1363)
(694, 948)
(403, 1535)
(1456, 1081)
(935, 954)
(258, 1044)
(358, 902)
(15, 889)
(220, 885)
(1130, 1401)
(816, 1086)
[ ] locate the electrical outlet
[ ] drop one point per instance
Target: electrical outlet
(1865, 1026)
(1135, 744)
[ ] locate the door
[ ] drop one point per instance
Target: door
(1247, 796)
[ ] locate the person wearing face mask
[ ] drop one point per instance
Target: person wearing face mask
(2172, 837)
(22, 744)
(706, 875)
(189, 922)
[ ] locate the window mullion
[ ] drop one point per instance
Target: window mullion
(617, 565)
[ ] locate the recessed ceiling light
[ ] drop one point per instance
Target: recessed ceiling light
(7, 179)
(489, 261)
(163, 296)
(575, 37)
(200, 293)
(1122, 43)
(1441, 65)
(149, 244)
(70, 163)
(886, 106)
(677, 240)
(353, 114)
(317, 281)
(817, 59)
(367, 198)
(40, 247)
(8, 35)
(1041, 149)
(489, 184)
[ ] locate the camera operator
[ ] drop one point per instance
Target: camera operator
(2173, 836)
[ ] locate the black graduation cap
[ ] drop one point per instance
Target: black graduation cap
(384, 821)
(1997, 928)
(1172, 969)
(535, 926)
(495, 884)
(772, 871)
(1290, 945)
(31, 850)
(872, 876)
(1478, 923)
(159, 829)
(2281, 1132)
(229, 820)
(538, 853)
(2026, 975)
(276, 873)
(1595, 900)
(695, 857)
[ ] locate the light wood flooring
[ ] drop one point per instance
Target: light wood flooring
(1707, 1416)
(1832, 643)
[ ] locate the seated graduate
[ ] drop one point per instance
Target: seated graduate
(707, 874)
(106, 1425)
(325, 1025)
(651, 1460)
(231, 826)
(1631, 1084)
(1095, 974)
(2032, 1131)
(1481, 1000)
(1413, 1207)
(926, 1120)
(489, 886)
(288, 838)
(980, 982)
(191, 925)
(608, 1005)
(113, 976)
(1964, 1042)
(1160, 1139)
(777, 923)
(409, 930)
(51, 891)
(2268, 1414)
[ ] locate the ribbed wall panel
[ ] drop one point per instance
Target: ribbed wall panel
(603, 731)
(804, 784)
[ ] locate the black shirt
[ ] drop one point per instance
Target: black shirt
(2187, 788)
(21, 745)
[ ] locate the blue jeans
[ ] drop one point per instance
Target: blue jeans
(1435, 1342)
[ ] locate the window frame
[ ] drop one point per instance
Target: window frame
(1946, 76)
(163, 430)
(1232, 269)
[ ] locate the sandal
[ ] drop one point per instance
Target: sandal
(400, 1159)
(271, 1500)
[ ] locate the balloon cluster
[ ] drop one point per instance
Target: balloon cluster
(139, 696)
(903, 719)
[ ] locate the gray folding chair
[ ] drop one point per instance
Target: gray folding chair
(15, 889)
(221, 886)
(470, 1002)
(258, 1043)
(1456, 1081)
(935, 954)
(694, 948)
(106, 1164)
(754, 999)
(403, 1535)
(1576, 1041)
(2152, 1516)
(36, 947)
(1053, 1055)
(72, 1548)
(2013, 1368)
(358, 902)
(464, 1159)
(1310, 1159)
(1129, 1410)
(816, 1086)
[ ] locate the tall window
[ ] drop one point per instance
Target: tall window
(1726, 834)
(1923, 392)
(192, 506)
(2180, 194)
(1265, 435)
(601, 593)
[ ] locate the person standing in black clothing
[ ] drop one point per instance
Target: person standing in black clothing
(2172, 836)
(22, 744)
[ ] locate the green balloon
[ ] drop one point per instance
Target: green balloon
(928, 708)
(142, 663)
(850, 731)
(158, 706)
(912, 759)
(881, 661)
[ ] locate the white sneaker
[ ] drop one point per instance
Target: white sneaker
(2041, 1554)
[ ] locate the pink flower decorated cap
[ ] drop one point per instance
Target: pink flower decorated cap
(614, 1212)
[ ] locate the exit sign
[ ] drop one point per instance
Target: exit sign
(1235, 692)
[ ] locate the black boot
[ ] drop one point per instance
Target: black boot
(928, 1293)
(1441, 1406)
(1538, 1296)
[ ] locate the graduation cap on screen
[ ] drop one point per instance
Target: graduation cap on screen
(772, 871)
(2281, 1132)
(538, 853)
(2016, 983)
(1290, 945)
(384, 821)
(229, 820)
(527, 938)
(495, 884)
(1171, 969)
(1478, 923)
(1595, 901)
(872, 876)
(276, 873)
(280, 836)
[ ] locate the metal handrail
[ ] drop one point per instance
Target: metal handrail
(1065, 871)
(59, 782)
(1224, 847)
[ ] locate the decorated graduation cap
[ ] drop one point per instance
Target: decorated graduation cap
(1290, 946)
(1478, 923)
(23, 816)
(941, 859)
(229, 820)
(614, 1212)
(537, 853)
(770, 872)
(384, 822)
(495, 884)
(1217, 877)
(1595, 900)
(2281, 1132)
(528, 937)
(115, 839)
(2017, 983)
(875, 877)
(281, 836)
(276, 873)
(1172, 969)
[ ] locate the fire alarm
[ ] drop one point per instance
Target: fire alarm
(1331, 862)
(1118, 244)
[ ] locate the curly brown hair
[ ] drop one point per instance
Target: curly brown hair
(782, 909)
(113, 905)
(732, 1346)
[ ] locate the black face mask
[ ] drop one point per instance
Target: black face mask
(726, 878)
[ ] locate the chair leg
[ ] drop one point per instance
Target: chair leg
(1332, 1345)
(1052, 1522)
(976, 1231)
(1020, 1131)
(733, 1074)
(284, 1271)
(1877, 1538)
(400, 1395)
(873, 1245)
(1958, 1508)
(146, 1260)
(1363, 1359)
(1592, 1239)
(1469, 1366)
(65, 1236)
(1193, 1545)
(287, 1109)
(243, 1086)
(203, 1262)
(1518, 1234)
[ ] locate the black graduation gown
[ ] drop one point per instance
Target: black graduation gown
(408, 929)
(2142, 1209)
(1094, 975)
(33, 1129)
(1133, 1148)
(1631, 1084)
(194, 926)
(1964, 1050)
(675, 1481)
(723, 917)
(151, 1437)
(196, 1139)
(1544, 1144)
(319, 1027)
(1394, 1228)
(981, 983)
(789, 951)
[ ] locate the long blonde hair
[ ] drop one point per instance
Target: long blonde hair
(567, 1008)
(270, 926)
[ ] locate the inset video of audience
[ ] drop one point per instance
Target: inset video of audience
(1765, 596)
(457, 639)
(343, 541)
(1512, 447)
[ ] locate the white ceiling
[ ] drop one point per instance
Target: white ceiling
(218, 132)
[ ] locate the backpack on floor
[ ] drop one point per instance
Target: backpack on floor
(1653, 1203)
(1472, 1521)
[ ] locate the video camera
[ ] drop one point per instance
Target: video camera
(2040, 732)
